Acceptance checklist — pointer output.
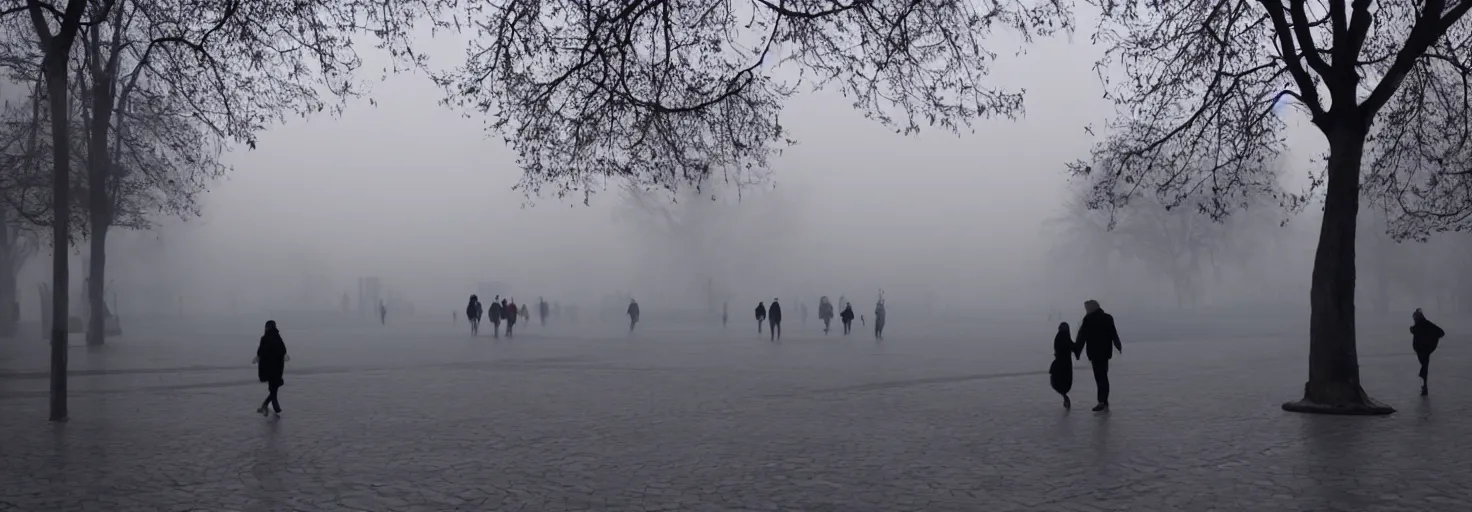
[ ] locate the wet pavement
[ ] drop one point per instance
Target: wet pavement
(425, 417)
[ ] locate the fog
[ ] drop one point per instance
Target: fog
(420, 196)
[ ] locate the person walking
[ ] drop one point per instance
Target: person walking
(879, 320)
(825, 312)
(509, 311)
(1060, 373)
(761, 316)
(774, 315)
(847, 317)
(633, 314)
(1098, 338)
(270, 364)
(1424, 338)
(472, 313)
(495, 313)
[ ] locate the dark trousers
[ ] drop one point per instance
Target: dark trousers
(776, 329)
(1425, 359)
(1101, 378)
(271, 398)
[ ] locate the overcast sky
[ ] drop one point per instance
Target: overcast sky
(420, 195)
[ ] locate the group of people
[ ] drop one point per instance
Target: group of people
(1097, 338)
(772, 316)
(499, 310)
(846, 317)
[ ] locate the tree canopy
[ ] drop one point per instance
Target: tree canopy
(1202, 89)
(670, 93)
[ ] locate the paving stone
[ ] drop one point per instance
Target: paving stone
(960, 417)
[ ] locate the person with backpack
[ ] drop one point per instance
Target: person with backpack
(270, 364)
(1425, 336)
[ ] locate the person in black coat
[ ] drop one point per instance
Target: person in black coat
(1098, 338)
(761, 316)
(1424, 338)
(494, 314)
(509, 311)
(1060, 373)
(270, 363)
(472, 313)
(774, 315)
(847, 316)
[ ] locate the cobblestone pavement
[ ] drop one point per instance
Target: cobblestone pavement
(425, 417)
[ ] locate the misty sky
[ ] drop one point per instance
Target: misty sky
(418, 194)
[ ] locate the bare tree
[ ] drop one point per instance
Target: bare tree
(669, 93)
(54, 31)
(1200, 88)
(230, 66)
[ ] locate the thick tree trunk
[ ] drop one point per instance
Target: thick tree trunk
(1334, 373)
(56, 90)
(100, 208)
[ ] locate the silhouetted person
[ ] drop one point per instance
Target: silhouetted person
(879, 320)
(847, 316)
(761, 316)
(724, 316)
(825, 312)
(382, 313)
(270, 363)
(495, 313)
(510, 311)
(1060, 374)
(472, 313)
(543, 310)
(1424, 338)
(1098, 338)
(774, 315)
(633, 314)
